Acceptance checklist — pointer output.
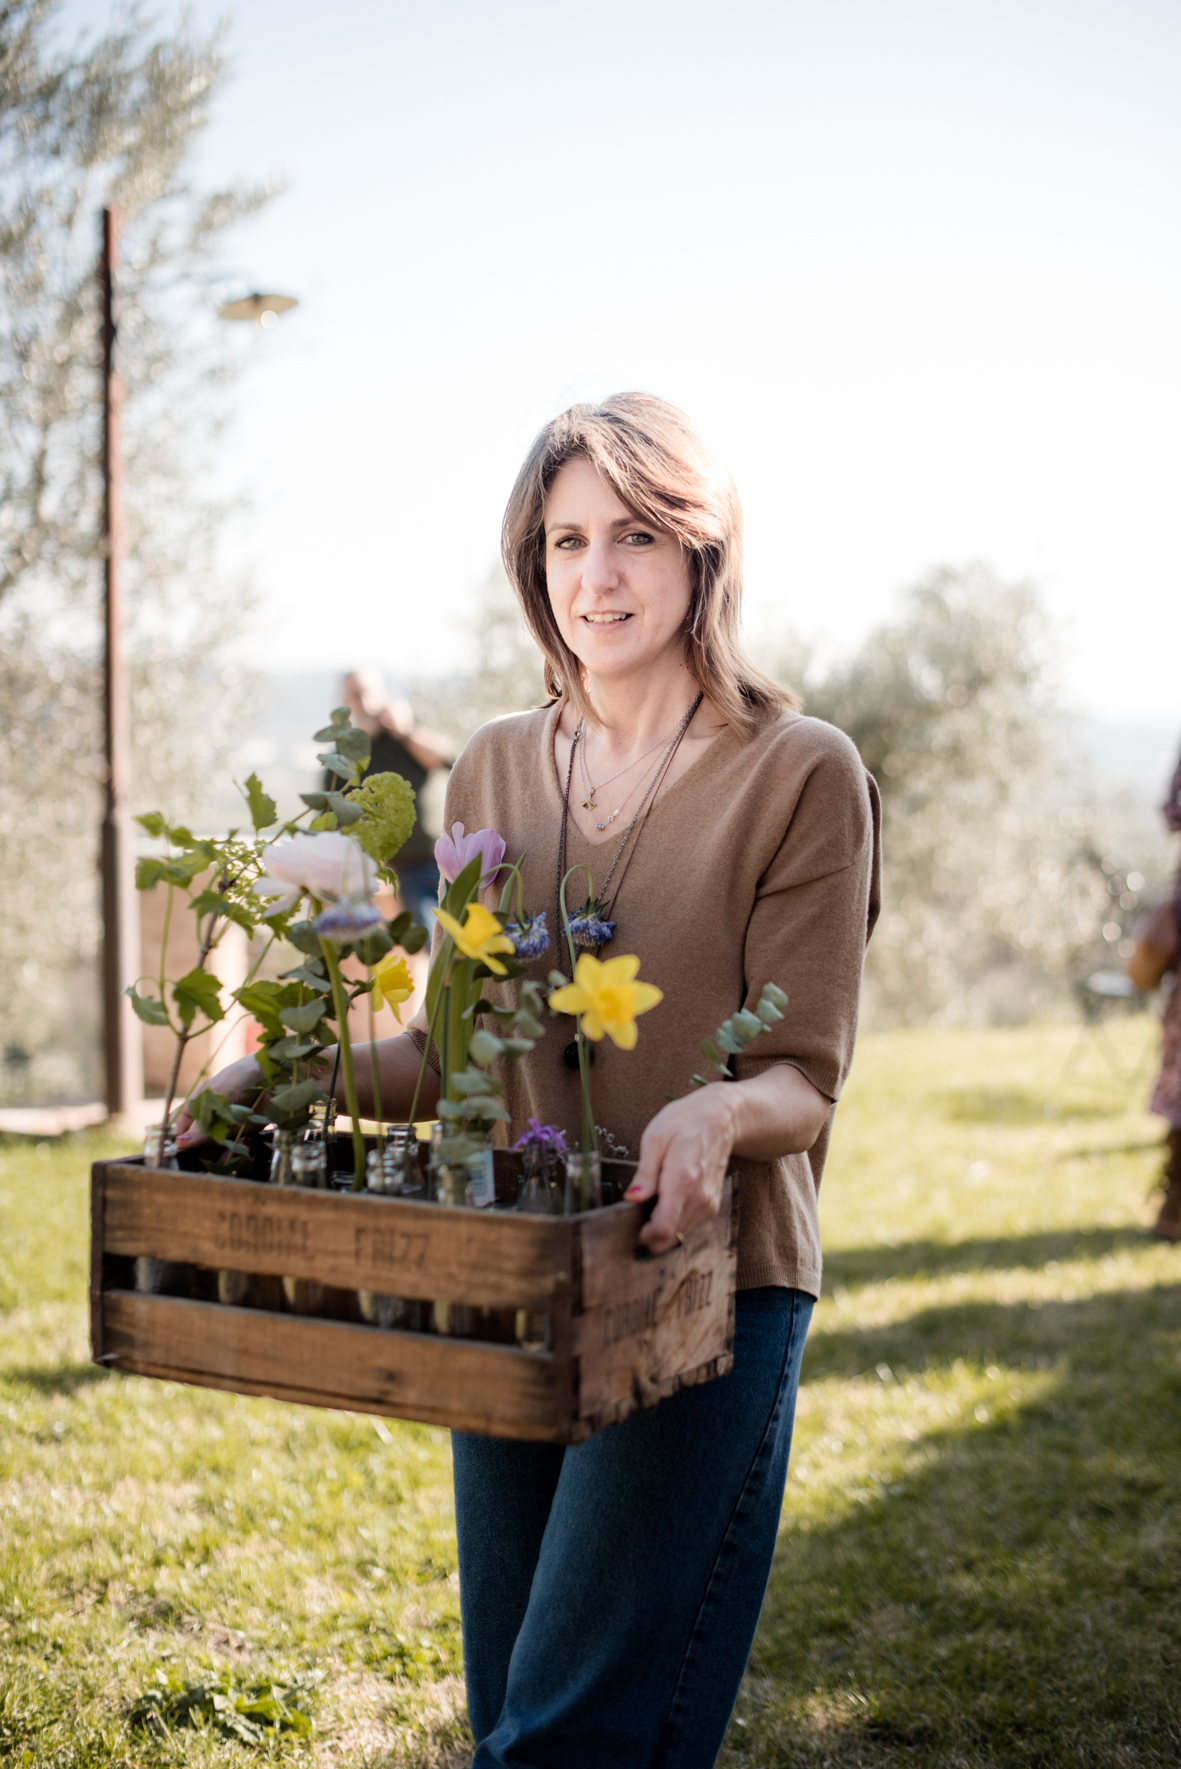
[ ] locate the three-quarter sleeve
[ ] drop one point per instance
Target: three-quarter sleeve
(814, 909)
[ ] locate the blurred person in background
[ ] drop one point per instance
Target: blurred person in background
(401, 746)
(1154, 962)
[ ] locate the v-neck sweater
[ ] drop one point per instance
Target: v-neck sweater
(759, 864)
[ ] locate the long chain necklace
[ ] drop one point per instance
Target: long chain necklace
(658, 776)
(588, 803)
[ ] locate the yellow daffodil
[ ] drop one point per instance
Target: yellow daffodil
(480, 936)
(392, 983)
(608, 998)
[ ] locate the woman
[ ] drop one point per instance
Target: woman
(1157, 955)
(610, 1591)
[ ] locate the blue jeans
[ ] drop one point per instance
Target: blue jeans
(610, 1591)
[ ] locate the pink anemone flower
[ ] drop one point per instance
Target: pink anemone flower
(455, 851)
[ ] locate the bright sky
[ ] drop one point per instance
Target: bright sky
(914, 266)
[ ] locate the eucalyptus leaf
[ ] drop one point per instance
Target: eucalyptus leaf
(775, 995)
(315, 801)
(292, 1050)
(310, 977)
(768, 1012)
(487, 1108)
(304, 938)
(414, 939)
(304, 1018)
(484, 1047)
(746, 1025)
(334, 763)
(519, 1047)
(343, 809)
(290, 1104)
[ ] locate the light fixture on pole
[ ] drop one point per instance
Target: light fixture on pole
(265, 309)
(122, 1034)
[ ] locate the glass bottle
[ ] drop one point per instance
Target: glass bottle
(584, 1182)
(284, 1143)
(299, 1163)
(452, 1189)
(160, 1277)
(309, 1166)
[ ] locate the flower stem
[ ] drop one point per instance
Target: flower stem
(345, 1050)
(375, 1072)
(589, 1138)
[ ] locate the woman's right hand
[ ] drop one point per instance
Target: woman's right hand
(232, 1082)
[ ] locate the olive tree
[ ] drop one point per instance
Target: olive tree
(111, 121)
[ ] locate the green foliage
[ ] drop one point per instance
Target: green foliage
(263, 810)
(979, 1563)
(734, 1034)
(1001, 859)
(386, 803)
(111, 116)
(147, 1008)
(247, 1715)
(198, 992)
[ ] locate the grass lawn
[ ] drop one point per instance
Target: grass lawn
(980, 1561)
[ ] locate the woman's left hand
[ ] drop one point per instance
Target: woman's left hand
(687, 1147)
(684, 1154)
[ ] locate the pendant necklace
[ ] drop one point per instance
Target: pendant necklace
(602, 905)
(588, 803)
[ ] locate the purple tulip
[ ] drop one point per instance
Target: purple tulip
(455, 851)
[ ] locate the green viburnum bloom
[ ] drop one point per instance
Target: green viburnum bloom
(386, 803)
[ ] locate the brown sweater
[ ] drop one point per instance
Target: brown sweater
(759, 864)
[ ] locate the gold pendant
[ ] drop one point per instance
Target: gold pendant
(589, 804)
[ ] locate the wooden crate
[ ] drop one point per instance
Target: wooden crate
(625, 1331)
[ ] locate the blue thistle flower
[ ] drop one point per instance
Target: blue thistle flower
(590, 929)
(531, 938)
(345, 922)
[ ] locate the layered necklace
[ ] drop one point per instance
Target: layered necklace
(589, 802)
(597, 927)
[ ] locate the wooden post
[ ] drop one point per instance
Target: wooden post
(122, 1042)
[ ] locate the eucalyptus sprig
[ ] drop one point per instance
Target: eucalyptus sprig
(735, 1033)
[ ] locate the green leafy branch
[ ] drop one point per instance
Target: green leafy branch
(734, 1034)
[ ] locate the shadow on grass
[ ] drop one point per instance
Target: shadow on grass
(51, 1379)
(1015, 1596)
(923, 1259)
(1013, 1105)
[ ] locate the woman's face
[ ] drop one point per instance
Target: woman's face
(619, 588)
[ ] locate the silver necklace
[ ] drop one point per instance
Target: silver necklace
(658, 775)
(588, 803)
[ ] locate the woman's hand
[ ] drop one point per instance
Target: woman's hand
(232, 1082)
(686, 1149)
(684, 1154)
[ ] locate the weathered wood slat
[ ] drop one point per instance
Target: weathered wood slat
(624, 1333)
(646, 1325)
(493, 1389)
(352, 1243)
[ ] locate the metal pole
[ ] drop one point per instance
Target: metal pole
(122, 1039)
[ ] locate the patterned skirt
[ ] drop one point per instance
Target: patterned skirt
(1166, 1095)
